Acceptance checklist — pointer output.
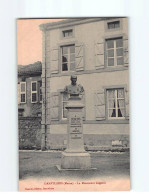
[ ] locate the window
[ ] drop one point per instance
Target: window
(39, 114)
(67, 33)
(40, 91)
(112, 25)
(20, 111)
(116, 143)
(23, 92)
(114, 50)
(64, 103)
(33, 91)
(68, 58)
(115, 103)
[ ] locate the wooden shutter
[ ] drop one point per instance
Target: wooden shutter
(39, 90)
(100, 105)
(19, 95)
(84, 109)
(126, 55)
(99, 55)
(54, 106)
(127, 104)
(54, 61)
(23, 91)
(79, 57)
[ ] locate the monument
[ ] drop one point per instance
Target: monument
(75, 156)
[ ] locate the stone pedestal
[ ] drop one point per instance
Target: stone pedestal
(75, 157)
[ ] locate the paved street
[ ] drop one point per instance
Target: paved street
(37, 164)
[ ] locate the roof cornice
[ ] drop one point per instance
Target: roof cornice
(71, 22)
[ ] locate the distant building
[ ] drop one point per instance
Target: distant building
(29, 105)
(29, 90)
(96, 50)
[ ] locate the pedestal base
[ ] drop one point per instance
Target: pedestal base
(75, 160)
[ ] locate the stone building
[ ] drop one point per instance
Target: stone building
(96, 50)
(29, 105)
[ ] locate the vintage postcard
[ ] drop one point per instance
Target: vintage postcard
(73, 104)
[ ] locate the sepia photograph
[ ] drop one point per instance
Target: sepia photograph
(73, 104)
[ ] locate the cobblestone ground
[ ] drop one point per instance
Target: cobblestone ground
(38, 164)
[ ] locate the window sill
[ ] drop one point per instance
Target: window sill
(115, 68)
(67, 72)
(114, 118)
(36, 102)
(63, 121)
(113, 29)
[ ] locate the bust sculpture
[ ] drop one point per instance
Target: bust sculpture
(74, 89)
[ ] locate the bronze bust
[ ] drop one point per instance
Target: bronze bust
(74, 89)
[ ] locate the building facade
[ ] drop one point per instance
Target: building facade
(96, 50)
(29, 105)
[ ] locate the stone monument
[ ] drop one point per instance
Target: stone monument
(75, 156)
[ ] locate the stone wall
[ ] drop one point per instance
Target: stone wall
(29, 132)
(114, 142)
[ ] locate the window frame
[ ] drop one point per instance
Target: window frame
(114, 48)
(116, 107)
(113, 22)
(61, 63)
(107, 30)
(67, 29)
(20, 112)
(21, 93)
(36, 92)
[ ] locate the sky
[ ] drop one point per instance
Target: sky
(29, 40)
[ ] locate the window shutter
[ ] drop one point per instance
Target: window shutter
(100, 105)
(54, 61)
(99, 55)
(84, 109)
(19, 95)
(79, 57)
(39, 91)
(54, 106)
(126, 55)
(127, 104)
(22, 92)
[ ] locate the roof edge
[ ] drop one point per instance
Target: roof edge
(71, 22)
(31, 69)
